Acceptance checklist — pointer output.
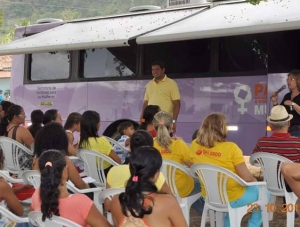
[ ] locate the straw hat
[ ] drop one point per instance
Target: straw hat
(279, 115)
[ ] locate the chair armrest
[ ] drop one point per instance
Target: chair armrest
(74, 189)
(258, 183)
(12, 216)
(5, 175)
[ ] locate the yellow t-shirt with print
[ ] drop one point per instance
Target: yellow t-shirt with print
(179, 152)
(223, 154)
(101, 145)
(118, 176)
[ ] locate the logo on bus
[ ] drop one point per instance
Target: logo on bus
(243, 95)
(46, 103)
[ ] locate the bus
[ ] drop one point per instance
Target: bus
(226, 56)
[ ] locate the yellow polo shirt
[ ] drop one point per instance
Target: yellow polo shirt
(223, 154)
(162, 94)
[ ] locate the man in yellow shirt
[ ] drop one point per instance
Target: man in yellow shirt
(162, 91)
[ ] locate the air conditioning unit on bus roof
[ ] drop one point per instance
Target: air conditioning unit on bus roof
(184, 2)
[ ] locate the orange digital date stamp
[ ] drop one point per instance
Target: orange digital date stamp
(272, 207)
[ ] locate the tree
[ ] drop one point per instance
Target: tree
(70, 14)
(1, 17)
(255, 2)
(9, 36)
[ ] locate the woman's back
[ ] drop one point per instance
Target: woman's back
(75, 207)
(165, 210)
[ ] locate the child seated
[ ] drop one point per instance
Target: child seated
(126, 130)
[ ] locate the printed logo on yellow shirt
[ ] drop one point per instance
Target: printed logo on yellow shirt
(165, 152)
(209, 153)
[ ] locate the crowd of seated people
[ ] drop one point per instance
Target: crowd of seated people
(147, 199)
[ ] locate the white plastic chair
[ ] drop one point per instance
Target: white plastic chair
(6, 176)
(11, 216)
(116, 143)
(35, 218)
(94, 167)
(94, 163)
(215, 179)
(11, 149)
(32, 177)
(169, 169)
(109, 194)
(271, 166)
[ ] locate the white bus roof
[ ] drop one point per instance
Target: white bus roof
(162, 26)
(231, 19)
(105, 32)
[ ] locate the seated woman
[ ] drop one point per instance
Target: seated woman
(176, 150)
(146, 121)
(89, 138)
(141, 204)
(53, 136)
(4, 106)
(8, 199)
(16, 117)
(212, 137)
(53, 198)
(52, 115)
(37, 117)
(72, 125)
(118, 175)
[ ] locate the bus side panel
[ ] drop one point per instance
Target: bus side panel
(116, 100)
(242, 100)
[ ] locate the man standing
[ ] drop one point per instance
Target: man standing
(280, 142)
(162, 91)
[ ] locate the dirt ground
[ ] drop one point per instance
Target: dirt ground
(279, 218)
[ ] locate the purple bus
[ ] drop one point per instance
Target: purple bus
(225, 56)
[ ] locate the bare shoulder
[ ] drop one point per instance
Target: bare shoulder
(166, 199)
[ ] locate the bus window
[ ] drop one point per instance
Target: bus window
(284, 51)
(50, 66)
(191, 56)
(108, 62)
(242, 54)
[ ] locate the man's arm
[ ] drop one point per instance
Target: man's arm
(176, 109)
(144, 106)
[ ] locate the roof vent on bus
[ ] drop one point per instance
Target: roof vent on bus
(144, 8)
(185, 2)
(48, 20)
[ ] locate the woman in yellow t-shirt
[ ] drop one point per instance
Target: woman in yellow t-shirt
(211, 147)
(176, 150)
(89, 138)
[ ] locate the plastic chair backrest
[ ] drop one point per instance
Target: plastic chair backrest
(11, 149)
(32, 177)
(169, 169)
(114, 142)
(11, 216)
(94, 162)
(215, 179)
(35, 217)
(271, 166)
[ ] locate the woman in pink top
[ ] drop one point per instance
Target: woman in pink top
(53, 197)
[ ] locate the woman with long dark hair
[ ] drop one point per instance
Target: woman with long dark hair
(37, 117)
(146, 121)
(141, 204)
(52, 115)
(89, 138)
(53, 198)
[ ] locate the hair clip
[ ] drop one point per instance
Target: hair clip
(135, 178)
(48, 164)
(161, 123)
